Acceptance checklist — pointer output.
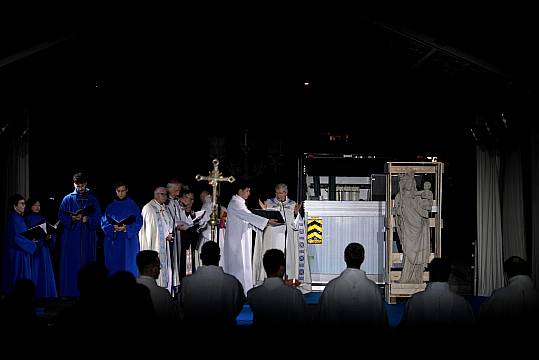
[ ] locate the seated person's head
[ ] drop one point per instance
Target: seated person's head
(439, 270)
(354, 254)
(92, 278)
(515, 265)
(274, 263)
(122, 279)
(148, 263)
(210, 253)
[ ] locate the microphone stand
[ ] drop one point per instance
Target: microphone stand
(173, 243)
(285, 239)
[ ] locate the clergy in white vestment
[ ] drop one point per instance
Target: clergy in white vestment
(149, 265)
(352, 299)
(210, 297)
(237, 251)
(437, 305)
(174, 210)
(157, 234)
(279, 237)
(274, 303)
(516, 303)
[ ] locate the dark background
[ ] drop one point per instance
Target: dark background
(145, 95)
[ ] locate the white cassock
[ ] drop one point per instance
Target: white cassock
(156, 224)
(275, 303)
(237, 247)
(352, 298)
(211, 296)
(437, 305)
(273, 237)
(518, 302)
(165, 308)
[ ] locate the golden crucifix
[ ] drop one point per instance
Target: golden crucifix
(214, 178)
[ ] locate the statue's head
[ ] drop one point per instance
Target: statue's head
(407, 181)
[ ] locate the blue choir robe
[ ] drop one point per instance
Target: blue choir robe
(42, 270)
(78, 240)
(121, 248)
(17, 252)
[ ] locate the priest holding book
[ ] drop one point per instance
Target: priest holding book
(285, 238)
(79, 215)
(121, 224)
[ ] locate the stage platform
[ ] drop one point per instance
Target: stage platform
(394, 311)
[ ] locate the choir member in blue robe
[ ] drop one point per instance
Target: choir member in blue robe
(121, 224)
(80, 215)
(18, 248)
(42, 270)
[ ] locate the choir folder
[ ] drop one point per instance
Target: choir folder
(125, 221)
(269, 214)
(40, 230)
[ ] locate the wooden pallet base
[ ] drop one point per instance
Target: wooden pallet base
(396, 291)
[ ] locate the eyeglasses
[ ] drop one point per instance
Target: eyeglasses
(161, 193)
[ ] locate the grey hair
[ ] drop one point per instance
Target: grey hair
(170, 185)
(157, 190)
(281, 186)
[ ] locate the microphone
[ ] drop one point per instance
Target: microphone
(283, 210)
(4, 128)
(24, 133)
(285, 236)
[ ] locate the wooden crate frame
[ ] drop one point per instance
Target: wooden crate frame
(393, 290)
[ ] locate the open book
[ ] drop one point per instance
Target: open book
(269, 214)
(192, 221)
(40, 230)
(125, 221)
(52, 228)
(83, 211)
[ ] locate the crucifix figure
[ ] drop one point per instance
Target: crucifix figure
(214, 178)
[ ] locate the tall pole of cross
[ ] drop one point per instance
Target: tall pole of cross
(214, 178)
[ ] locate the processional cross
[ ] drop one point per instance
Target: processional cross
(214, 178)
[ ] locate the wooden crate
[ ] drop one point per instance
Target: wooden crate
(393, 289)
